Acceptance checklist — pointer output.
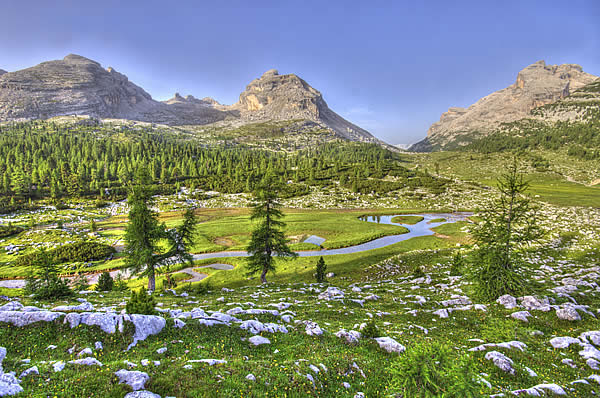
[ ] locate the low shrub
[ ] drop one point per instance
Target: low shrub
(74, 252)
(105, 282)
(370, 331)
(431, 369)
(10, 230)
(141, 303)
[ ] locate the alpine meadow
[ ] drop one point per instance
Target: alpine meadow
(274, 248)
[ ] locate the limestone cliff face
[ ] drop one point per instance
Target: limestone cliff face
(536, 85)
(2, 71)
(284, 97)
(79, 86)
(73, 85)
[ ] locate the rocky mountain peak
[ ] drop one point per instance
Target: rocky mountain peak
(77, 85)
(270, 72)
(78, 59)
(536, 85)
(2, 71)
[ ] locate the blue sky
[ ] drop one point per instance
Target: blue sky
(391, 67)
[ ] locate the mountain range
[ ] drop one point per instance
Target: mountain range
(536, 86)
(77, 85)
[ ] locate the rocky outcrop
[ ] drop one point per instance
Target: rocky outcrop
(536, 85)
(2, 71)
(287, 97)
(76, 85)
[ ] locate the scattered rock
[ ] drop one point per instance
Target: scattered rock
(135, 379)
(568, 314)
(501, 361)
(258, 340)
(389, 344)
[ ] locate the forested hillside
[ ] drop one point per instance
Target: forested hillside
(40, 159)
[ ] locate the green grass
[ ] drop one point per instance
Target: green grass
(284, 362)
(410, 220)
(565, 183)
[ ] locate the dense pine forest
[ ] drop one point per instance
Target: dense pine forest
(41, 160)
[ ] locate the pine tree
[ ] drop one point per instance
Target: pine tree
(267, 239)
(321, 270)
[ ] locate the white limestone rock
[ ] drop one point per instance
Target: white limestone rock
(532, 303)
(521, 315)
(350, 337)
(389, 344)
(259, 340)
(508, 301)
(332, 293)
(564, 342)
(568, 314)
(145, 325)
(31, 371)
(89, 361)
(540, 390)
(135, 379)
(142, 394)
(501, 361)
(20, 319)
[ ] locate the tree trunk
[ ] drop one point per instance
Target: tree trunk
(263, 276)
(151, 282)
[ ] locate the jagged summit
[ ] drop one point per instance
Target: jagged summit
(284, 97)
(77, 85)
(271, 72)
(536, 85)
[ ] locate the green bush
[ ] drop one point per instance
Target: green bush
(370, 331)
(6, 231)
(105, 282)
(44, 283)
(431, 369)
(73, 252)
(120, 285)
(141, 303)
(80, 283)
(457, 265)
(493, 279)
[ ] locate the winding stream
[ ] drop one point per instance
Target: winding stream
(422, 228)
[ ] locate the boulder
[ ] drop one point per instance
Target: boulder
(332, 293)
(259, 340)
(508, 301)
(389, 344)
(501, 361)
(568, 314)
(135, 379)
(521, 315)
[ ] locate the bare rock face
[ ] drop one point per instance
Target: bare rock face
(2, 71)
(536, 85)
(285, 97)
(76, 85)
(72, 86)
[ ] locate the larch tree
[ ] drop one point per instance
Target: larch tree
(268, 241)
(508, 226)
(144, 234)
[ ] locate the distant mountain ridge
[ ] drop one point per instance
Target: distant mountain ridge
(77, 85)
(536, 85)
